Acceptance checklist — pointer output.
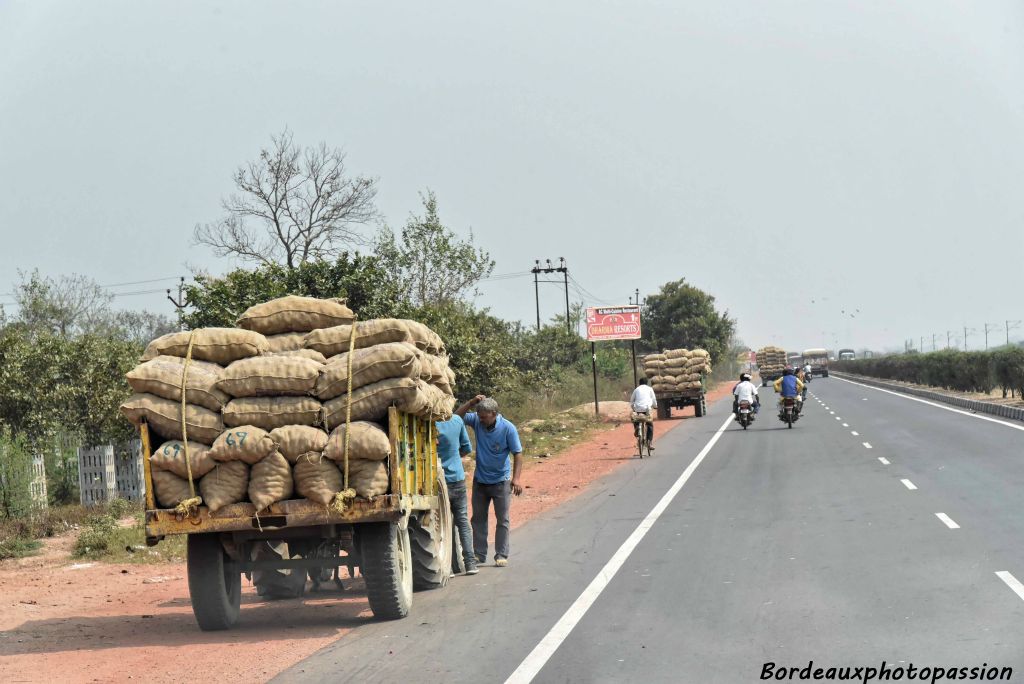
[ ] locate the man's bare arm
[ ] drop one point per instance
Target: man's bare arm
(461, 411)
(517, 469)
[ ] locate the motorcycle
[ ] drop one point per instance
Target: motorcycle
(788, 412)
(745, 414)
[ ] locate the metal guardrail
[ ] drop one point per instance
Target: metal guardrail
(1000, 410)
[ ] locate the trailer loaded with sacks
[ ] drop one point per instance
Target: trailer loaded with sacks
(305, 432)
(678, 378)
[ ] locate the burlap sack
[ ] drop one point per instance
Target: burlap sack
(425, 338)
(311, 354)
(369, 365)
(317, 478)
(450, 374)
(286, 342)
(270, 376)
(164, 418)
(170, 456)
(432, 368)
(331, 341)
(368, 478)
(675, 364)
(655, 357)
(295, 440)
(295, 314)
(446, 388)
(227, 483)
(677, 354)
(219, 345)
(272, 412)
(246, 443)
(436, 404)
(372, 401)
(366, 441)
(701, 352)
(270, 481)
(162, 376)
(169, 489)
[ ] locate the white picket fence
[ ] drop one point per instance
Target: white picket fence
(111, 471)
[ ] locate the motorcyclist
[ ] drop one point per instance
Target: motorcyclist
(642, 401)
(789, 386)
(745, 390)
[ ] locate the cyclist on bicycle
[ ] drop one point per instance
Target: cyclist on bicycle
(642, 402)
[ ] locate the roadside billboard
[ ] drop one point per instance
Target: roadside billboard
(613, 323)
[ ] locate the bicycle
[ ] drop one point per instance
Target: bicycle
(640, 423)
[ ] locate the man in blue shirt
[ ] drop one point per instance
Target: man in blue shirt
(496, 479)
(452, 445)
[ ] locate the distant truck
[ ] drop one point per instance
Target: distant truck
(846, 355)
(817, 359)
(682, 398)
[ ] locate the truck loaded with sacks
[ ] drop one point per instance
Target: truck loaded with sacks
(678, 378)
(303, 431)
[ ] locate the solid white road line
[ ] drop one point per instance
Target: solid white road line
(1012, 582)
(867, 445)
(936, 405)
(908, 484)
(883, 460)
(949, 521)
(854, 433)
(543, 651)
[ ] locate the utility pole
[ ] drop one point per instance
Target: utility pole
(933, 341)
(1011, 325)
(561, 268)
(949, 338)
(921, 348)
(965, 336)
(180, 303)
(632, 343)
(987, 326)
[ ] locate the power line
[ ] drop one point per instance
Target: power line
(107, 287)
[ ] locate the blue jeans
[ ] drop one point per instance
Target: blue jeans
(460, 516)
(483, 496)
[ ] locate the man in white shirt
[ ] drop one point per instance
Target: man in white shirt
(744, 391)
(642, 402)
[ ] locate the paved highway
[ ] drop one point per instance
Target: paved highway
(880, 528)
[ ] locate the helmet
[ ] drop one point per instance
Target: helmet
(744, 376)
(788, 370)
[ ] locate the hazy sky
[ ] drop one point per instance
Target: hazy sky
(863, 155)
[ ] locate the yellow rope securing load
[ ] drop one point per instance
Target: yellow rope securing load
(190, 506)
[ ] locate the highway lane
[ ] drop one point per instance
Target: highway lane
(784, 546)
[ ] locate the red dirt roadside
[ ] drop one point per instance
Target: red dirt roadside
(96, 622)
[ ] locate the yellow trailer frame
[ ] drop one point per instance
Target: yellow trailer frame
(412, 467)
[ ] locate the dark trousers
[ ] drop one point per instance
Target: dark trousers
(457, 499)
(483, 496)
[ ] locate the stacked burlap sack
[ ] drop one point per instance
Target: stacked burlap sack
(771, 361)
(676, 370)
(266, 404)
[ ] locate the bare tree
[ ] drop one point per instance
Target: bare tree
(303, 203)
(69, 305)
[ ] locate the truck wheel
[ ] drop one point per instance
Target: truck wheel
(699, 408)
(430, 535)
(664, 410)
(216, 592)
(386, 568)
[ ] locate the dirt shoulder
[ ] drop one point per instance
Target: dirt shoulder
(100, 622)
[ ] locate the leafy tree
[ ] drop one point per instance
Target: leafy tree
(431, 264)
(683, 316)
(15, 476)
(52, 384)
(304, 204)
(219, 301)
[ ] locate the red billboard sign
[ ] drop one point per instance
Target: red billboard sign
(613, 323)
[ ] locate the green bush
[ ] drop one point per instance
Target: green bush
(18, 547)
(95, 539)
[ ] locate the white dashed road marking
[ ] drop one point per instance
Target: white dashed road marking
(1012, 582)
(908, 484)
(854, 433)
(883, 460)
(845, 425)
(948, 521)
(867, 445)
